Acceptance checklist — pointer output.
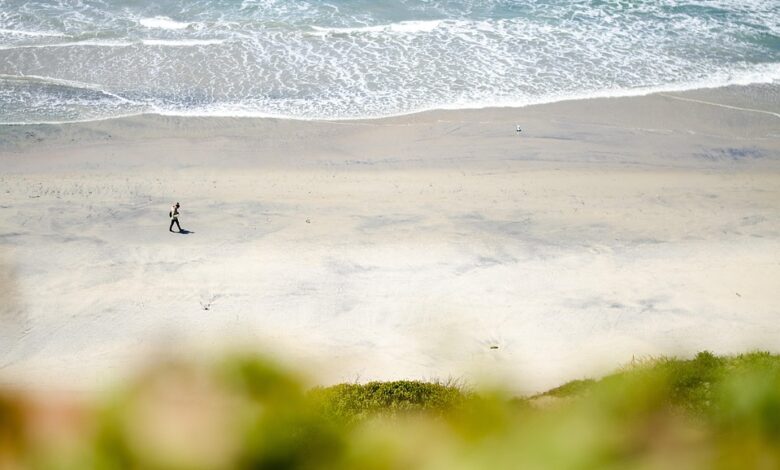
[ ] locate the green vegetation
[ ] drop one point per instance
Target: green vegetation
(355, 402)
(569, 389)
(706, 412)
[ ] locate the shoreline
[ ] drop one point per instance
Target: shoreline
(754, 105)
(399, 248)
(601, 95)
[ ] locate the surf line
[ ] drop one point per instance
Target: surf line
(777, 115)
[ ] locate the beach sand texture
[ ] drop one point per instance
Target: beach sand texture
(441, 244)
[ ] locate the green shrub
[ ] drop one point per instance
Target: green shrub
(350, 402)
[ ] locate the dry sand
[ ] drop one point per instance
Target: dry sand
(406, 247)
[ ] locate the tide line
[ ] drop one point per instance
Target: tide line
(721, 105)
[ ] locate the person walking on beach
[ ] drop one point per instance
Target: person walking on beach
(174, 214)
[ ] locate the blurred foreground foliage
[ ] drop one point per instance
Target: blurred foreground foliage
(245, 412)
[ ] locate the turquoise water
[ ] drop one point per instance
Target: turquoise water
(71, 60)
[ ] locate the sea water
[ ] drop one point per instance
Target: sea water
(75, 60)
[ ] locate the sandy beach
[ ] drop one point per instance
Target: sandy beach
(435, 245)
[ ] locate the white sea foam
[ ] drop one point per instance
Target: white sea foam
(312, 60)
(88, 43)
(409, 27)
(762, 75)
(182, 42)
(118, 43)
(16, 32)
(65, 83)
(162, 22)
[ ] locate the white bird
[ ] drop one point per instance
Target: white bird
(517, 129)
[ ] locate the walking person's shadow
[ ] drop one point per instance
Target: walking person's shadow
(184, 231)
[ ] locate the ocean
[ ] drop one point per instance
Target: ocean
(81, 60)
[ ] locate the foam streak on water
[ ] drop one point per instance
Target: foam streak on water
(72, 60)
